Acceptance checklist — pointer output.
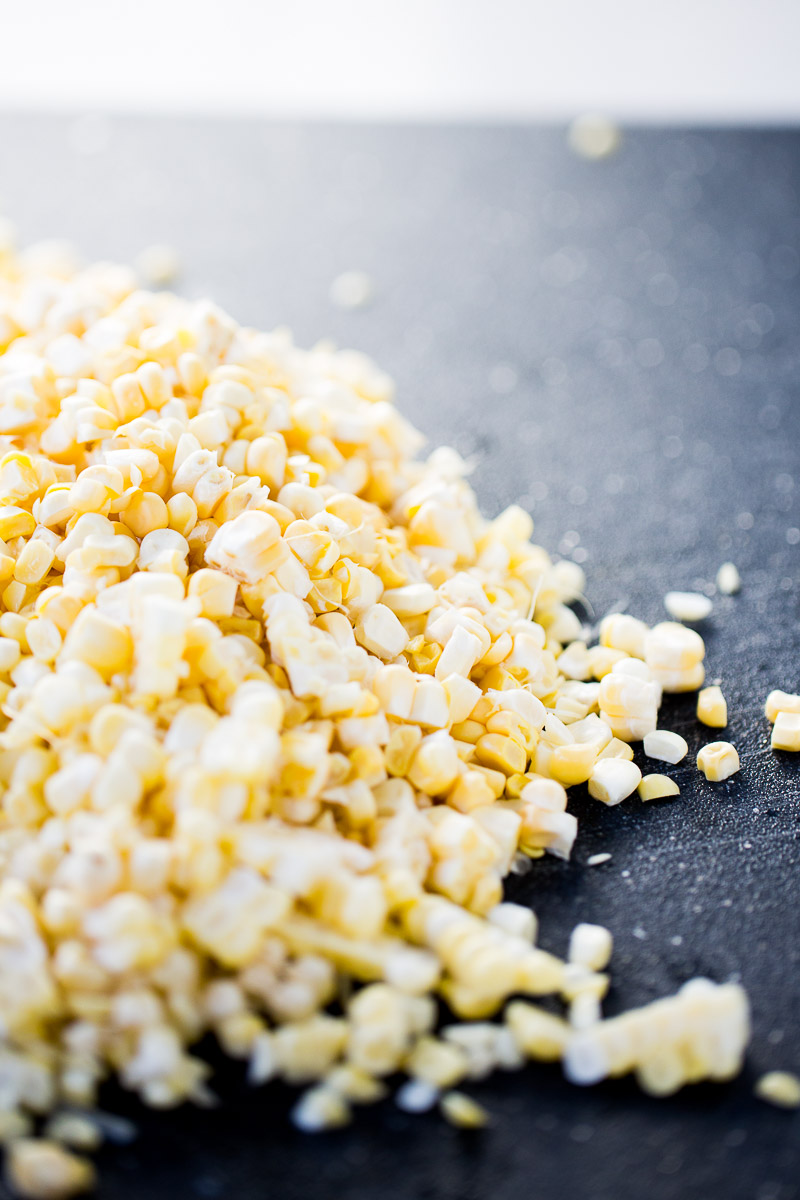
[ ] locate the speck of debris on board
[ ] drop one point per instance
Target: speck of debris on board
(351, 289)
(596, 860)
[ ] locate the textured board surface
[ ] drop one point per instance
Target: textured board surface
(618, 345)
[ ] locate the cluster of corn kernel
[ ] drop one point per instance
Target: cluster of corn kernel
(280, 710)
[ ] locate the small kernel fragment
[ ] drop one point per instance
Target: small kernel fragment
(462, 1111)
(728, 581)
(781, 1088)
(718, 761)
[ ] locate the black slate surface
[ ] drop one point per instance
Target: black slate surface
(618, 343)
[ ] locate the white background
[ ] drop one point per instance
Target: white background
(685, 60)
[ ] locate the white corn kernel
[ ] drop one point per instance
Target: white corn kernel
(728, 581)
(665, 745)
(688, 606)
(613, 779)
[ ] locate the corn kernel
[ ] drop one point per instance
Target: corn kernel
(712, 708)
(718, 761)
(656, 787)
(785, 731)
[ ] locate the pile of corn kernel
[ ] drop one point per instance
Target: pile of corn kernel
(281, 710)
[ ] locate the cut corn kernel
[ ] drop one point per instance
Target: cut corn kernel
(712, 708)
(781, 1088)
(786, 732)
(718, 761)
(665, 745)
(613, 779)
(656, 787)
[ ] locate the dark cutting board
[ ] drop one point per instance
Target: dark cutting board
(618, 344)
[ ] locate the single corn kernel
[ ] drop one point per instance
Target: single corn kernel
(729, 581)
(590, 946)
(613, 779)
(462, 1111)
(656, 787)
(785, 731)
(718, 761)
(781, 1088)
(42, 1170)
(778, 702)
(712, 708)
(665, 745)
(688, 606)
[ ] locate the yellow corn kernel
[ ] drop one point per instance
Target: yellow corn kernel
(617, 749)
(15, 522)
(712, 708)
(33, 562)
(462, 1111)
(572, 764)
(501, 753)
(778, 701)
(786, 732)
(718, 761)
(400, 749)
(438, 1063)
(655, 787)
(781, 1088)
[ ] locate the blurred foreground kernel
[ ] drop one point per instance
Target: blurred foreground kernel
(718, 761)
(43, 1170)
(781, 1088)
(462, 1111)
(281, 712)
(594, 136)
(158, 265)
(728, 581)
(700, 1033)
(688, 606)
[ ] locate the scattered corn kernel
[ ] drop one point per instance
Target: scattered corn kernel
(688, 606)
(665, 745)
(786, 732)
(728, 581)
(656, 787)
(718, 761)
(712, 708)
(781, 1088)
